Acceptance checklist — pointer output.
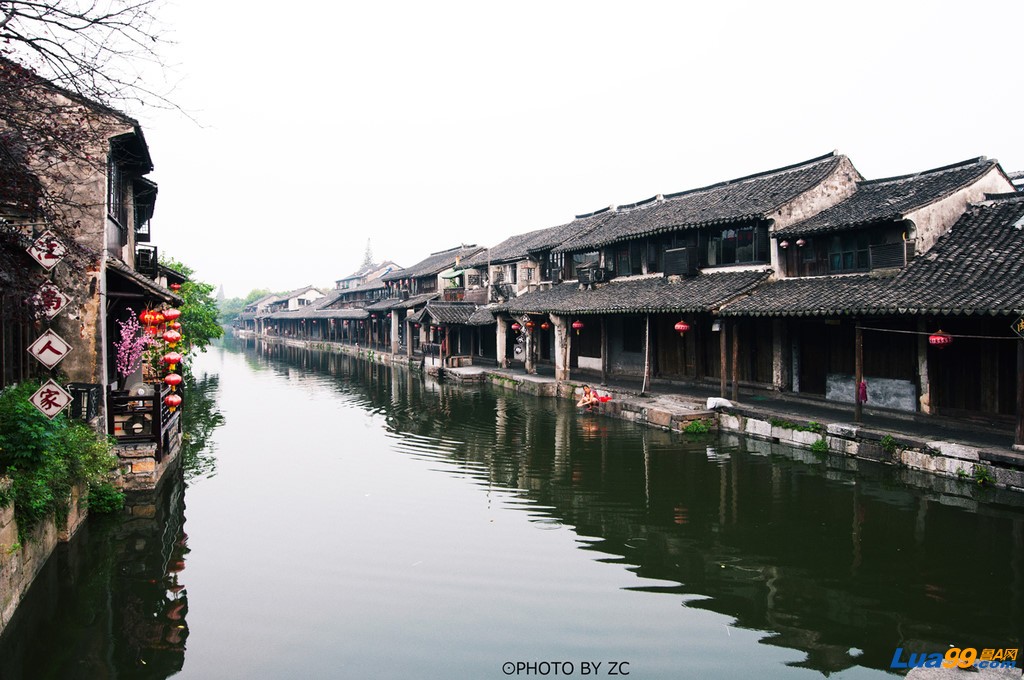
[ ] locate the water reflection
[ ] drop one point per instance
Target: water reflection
(688, 555)
(841, 560)
(112, 603)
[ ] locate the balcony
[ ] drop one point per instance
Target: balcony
(142, 418)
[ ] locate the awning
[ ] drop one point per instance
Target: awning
(451, 273)
(131, 284)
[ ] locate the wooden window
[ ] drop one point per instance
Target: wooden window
(849, 252)
(743, 245)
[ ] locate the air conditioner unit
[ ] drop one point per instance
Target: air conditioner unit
(585, 275)
(599, 275)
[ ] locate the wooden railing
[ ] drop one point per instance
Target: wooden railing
(140, 418)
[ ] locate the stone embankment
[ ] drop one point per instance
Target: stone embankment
(934, 453)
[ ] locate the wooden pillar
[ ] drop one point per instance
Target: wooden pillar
(736, 360)
(604, 350)
(723, 361)
(924, 401)
(858, 373)
(528, 359)
(562, 346)
(647, 353)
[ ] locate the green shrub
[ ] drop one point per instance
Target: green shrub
(820, 447)
(697, 427)
(104, 498)
(888, 444)
(45, 459)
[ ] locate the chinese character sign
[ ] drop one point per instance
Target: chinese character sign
(47, 250)
(51, 300)
(50, 398)
(1018, 326)
(49, 349)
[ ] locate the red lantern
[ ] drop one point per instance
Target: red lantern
(151, 331)
(940, 339)
(147, 317)
(171, 359)
(173, 401)
(172, 338)
(529, 325)
(682, 327)
(175, 286)
(516, 326)
(174, 326)
(158, 318)
(416, 325)
(577, 326)
(173, 379)
(545, 325)
(171, 314)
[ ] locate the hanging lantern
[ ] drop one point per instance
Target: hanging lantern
(173, 401)
(783, 244)
(171, 314)
(529, 325)
(175, 287)
(416, 325)
(151, 331)
(147, 317)
(681, 328)
(545, 325)
(172, 338)
(174, 326)
(577, 325)
(800, 243)
(158, 318)
(171, 360)
(373, 316)
(173, 379)
(516, 326)
(940, 339)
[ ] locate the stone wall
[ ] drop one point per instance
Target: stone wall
(140, 469)
(19, 563)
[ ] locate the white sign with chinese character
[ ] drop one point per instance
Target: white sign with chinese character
(51, 300)
(49, 349)
(51, 399)
(47, 250)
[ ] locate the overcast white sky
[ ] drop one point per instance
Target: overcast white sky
(425, 125)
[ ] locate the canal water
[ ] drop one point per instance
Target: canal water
(339, 519)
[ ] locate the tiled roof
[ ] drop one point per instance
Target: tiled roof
(481, 317)
(450, 312)
(434, 264)
(297, 291)
(887, 200)
(811, 296)
(521, 246)
(975, 268)
(739, 200)
(640, 294)
(399, 303)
